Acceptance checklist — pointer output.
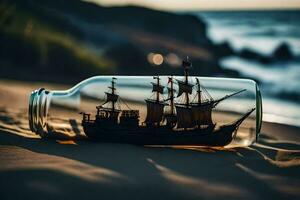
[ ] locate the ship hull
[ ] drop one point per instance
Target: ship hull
(159, 135)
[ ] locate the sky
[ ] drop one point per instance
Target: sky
(182, 5)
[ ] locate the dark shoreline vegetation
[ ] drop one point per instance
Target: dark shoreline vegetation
(51, 41)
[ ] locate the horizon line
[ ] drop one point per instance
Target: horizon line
(173, 9)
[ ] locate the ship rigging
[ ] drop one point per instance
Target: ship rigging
(183, 117)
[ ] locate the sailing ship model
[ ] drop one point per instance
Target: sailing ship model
(167, 122)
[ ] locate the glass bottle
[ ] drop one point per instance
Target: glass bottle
(164, 110)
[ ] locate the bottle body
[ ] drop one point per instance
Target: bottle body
(131, 107)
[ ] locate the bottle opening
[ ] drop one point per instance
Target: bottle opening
(38, 110)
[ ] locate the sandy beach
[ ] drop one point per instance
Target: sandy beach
(35, 168)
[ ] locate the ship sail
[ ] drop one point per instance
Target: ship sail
(184, 117)
(154, 112)
(158, 88)
(170, 116)
(184, 112)
(202, 114)
(184, 88)
(171, 92)
(111, 97)
(155, 108)
(110, 109)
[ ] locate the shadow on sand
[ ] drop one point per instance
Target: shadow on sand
(43, 168)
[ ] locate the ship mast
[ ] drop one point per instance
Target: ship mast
(155, 107)
(171, 96)
(202, 111)
(157, 91)
(183, 110)
(198, 91)
(110, 110)
(113, 92)
(170, 117)
(186, 64)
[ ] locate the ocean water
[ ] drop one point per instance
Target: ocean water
(263, 32)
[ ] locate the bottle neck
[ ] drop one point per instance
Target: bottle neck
(39, 101)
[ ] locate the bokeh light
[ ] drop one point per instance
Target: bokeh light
(173, 60)
(155, 58)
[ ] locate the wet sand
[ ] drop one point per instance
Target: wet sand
(35, 168)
